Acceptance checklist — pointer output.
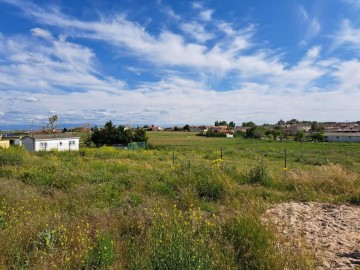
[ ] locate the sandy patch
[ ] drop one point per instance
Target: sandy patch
(331, 231)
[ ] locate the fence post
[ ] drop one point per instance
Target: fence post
(173, 154)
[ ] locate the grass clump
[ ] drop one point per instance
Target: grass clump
(252, 243)
(180, 240)
(210, 188)
(102, 255)
(11, 156)
(260, 174)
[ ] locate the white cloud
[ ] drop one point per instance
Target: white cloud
(171, 13)
(310, 24)
(347, 35)
(346, 73)
(61, 75)
(41, 33)
(206, 15)
(226, 28)
(196, 31)
(197, 5)
(355, 3)
(53, 66)
(194, 104)
(32, 99)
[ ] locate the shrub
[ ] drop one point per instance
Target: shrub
(11, 156)
(210, 188)
(259, 174)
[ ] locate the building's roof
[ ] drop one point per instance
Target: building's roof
(342, 134)
(52, 136)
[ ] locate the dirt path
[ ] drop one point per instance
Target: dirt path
(332, 231)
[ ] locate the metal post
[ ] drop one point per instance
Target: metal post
(173, 154)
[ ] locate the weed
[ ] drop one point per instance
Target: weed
(11, 156)
(252, 243)
(259, 174)
(102, 255)
(210, 188)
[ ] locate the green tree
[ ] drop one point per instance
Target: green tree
(53, 121)
(248, 124)
(140, 135)
(256, 132)
(111, 134)
(97, 136)
(299, 136)
(231, 124)
(220, 123)
(317, 136)
(186, 128)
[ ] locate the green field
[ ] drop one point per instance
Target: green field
(176, 205)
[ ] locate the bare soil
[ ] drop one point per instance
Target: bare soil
(331, 232)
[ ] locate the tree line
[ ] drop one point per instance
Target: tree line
(111, 134)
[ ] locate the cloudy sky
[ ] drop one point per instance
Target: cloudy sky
(179, 62)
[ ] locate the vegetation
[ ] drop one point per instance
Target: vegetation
(111, 134)
(105, 208)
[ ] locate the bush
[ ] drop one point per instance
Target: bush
(259, 174)
(210, 188)
(11, 156)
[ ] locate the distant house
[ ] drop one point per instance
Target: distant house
(342, 137)
(12, 139)
(48, 142)
(242, 129)
(155, 128)
(4, 143)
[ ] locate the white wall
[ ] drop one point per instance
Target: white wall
(332, 138)
(60, 144)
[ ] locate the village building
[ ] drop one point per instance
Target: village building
(4, 143)
(49, 142)
(342, 137)
(11, 139)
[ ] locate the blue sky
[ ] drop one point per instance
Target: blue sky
(177, 62)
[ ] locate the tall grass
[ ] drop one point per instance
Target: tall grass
(112, 209)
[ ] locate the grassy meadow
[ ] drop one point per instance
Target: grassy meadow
(175, 205)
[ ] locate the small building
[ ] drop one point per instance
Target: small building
(4, 143)
(154, 128)
(13, 138)
(49, 142)
(342, 137)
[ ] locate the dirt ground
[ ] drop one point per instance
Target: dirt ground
(332, 232)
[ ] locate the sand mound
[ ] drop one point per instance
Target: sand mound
(332, 232)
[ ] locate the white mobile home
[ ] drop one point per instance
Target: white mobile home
(48, 142)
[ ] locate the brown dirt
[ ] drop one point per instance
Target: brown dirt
(331, 232)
